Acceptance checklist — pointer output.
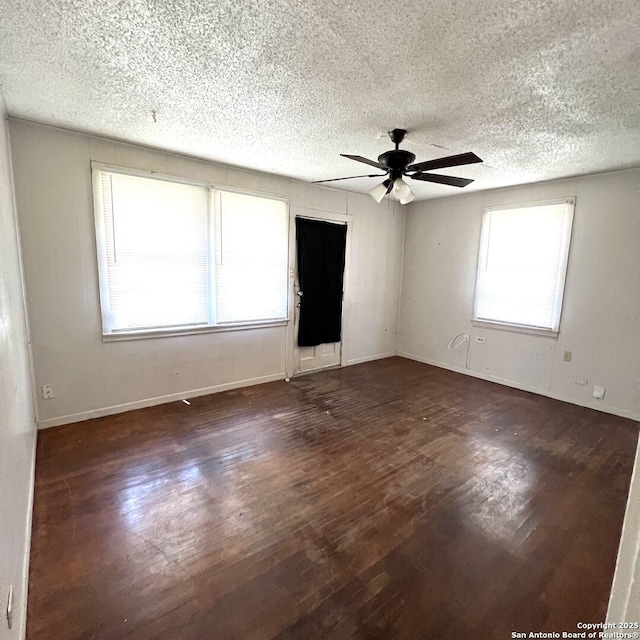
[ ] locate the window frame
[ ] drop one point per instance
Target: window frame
(553, 331)
(102, 259)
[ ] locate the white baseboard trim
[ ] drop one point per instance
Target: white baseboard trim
(378, 356)
(150, 402)
(623, 413)
(26, 554)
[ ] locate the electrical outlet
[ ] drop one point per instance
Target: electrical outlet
(480, 339)
(583, 383)
(47, 391)
(598, 392)
(567, 356)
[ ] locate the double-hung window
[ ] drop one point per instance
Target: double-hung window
(522, 265)
(178, 256)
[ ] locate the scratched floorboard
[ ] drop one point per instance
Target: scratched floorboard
(389, 500)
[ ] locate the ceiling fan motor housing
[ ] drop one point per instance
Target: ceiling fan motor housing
(396, 161)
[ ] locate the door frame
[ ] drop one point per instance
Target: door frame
(326, 216)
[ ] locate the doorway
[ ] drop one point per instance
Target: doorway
(320, 260)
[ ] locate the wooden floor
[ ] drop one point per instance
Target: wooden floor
(389, 500)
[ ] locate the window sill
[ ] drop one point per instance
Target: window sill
(516, 328)
(145, 334)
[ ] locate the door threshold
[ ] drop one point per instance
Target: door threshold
(306, 373)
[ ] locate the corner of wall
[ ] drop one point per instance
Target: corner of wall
(405, 209)
(22, 626)
(18, 433)
(623, 607)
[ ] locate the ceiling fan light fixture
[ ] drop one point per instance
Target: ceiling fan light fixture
(379, 191)
(408, 199)
(401, 190)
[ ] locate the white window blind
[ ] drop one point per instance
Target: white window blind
(251, 257)
(522, 264)
(174, 255)
(155, 233)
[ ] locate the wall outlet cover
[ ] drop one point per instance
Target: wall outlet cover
(567, 356)
(480, 339)
(598, 392)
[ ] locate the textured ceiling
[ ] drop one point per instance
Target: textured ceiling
(539, 89)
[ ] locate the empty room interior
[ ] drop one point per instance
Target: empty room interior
(319, 320)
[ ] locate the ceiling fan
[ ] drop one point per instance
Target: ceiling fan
(398, 163)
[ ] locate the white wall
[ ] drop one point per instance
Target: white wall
(53, 186)
(374, 287)
(17, 420)
(601, 316)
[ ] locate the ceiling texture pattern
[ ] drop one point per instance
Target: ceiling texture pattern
(539, 90)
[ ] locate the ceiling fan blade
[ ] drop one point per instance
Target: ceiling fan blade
(373, 163)
(370, 175)
(449, 161)
(434, 177)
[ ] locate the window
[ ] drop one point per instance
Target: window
(523, 263)
(176, 256)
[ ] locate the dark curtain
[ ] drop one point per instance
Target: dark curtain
(321, 253)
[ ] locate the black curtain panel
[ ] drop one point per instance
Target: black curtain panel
(321, 252)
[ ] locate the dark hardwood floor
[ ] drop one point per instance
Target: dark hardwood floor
(390, 500)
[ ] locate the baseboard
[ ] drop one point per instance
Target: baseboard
(22, 616)
(623, 413)
(378, 356)
(150, 402)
